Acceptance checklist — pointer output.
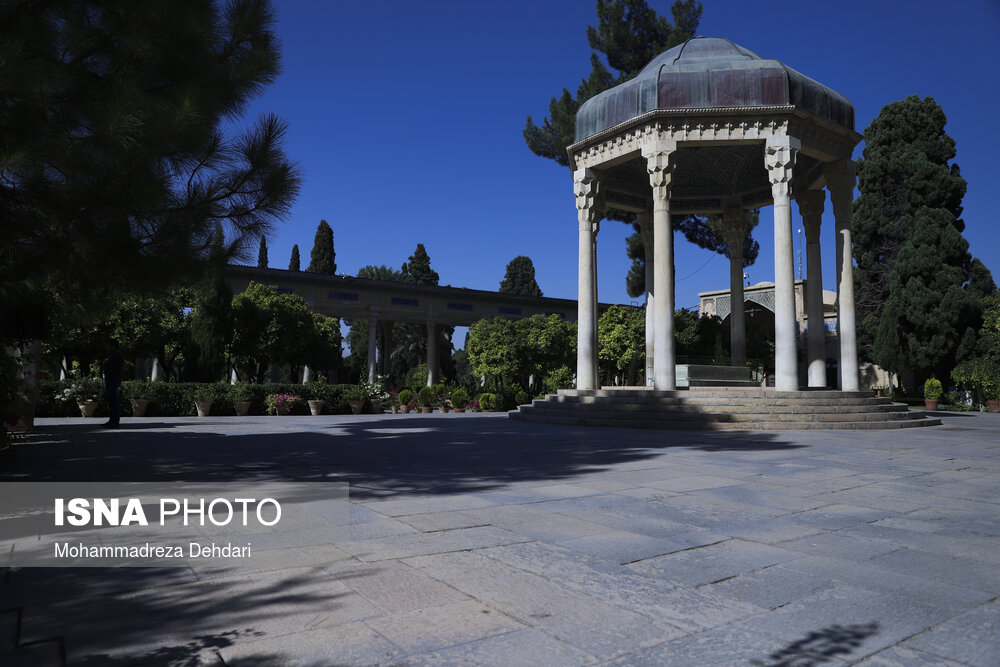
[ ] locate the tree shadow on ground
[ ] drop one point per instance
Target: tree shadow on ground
(378, 457)
(820, 646)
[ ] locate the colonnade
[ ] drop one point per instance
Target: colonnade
(780, 153)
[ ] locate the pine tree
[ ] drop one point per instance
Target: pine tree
(520, 278)
(919, 291)
(211, 316)
(118, 113)
(293, 263)
(323, 258)
(418, 270)
(262, 254)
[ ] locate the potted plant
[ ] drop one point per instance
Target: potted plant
(280, 404)
(405, 398)
(241, 395)
(425, 397)
(357, 396)
(203, 397)
(85, 392)
(137, 394)
(393, 395)
(459, 399)
(317, 396)
(932, 393)
(488, 402)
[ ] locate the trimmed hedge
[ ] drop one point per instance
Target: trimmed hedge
(176, 399)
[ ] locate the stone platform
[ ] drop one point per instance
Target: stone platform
(732, 408)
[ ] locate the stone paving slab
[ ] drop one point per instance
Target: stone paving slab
(474, 539)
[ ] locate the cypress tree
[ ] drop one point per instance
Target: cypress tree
(520, 278)
(323, 258)
(919, 290)
(293, 263)
(262, 254)
(418, 270)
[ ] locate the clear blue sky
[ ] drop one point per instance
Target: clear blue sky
(406, 119)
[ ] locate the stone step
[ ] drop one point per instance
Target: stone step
(711, 400)
(716, 392)
(721, 425)
(728, 416)
(630, 408)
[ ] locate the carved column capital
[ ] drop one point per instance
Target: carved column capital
(660, 163)
(734, 225)
(779, 159)
(840, 180)
(811, 204)
(587, 188)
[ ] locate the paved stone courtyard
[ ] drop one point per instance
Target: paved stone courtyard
(478, 540)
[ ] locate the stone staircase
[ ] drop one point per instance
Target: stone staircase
(735, 408)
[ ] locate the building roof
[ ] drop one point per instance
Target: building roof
(711, 73)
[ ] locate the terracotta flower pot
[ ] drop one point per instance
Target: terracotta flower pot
(242, 408)
(459, 410)
(405, 409)
(316, 408)
(930, 405)
(139, 406)
(994, 405)
(426, 409)
(88, 408)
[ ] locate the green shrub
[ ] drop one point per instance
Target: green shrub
(488, 402)
(425, 397)
(560, 378)
(241, 392)
(405, 396)
(416, 377)
(459, 398)
(933, 389)
(522, 398)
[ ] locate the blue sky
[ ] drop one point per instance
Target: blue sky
(406, 120)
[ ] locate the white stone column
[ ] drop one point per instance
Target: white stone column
(660, 161)
(779, 158)
(64, 368)
(597, 312)
(811, 209)
(840, 181)
(734, 221)
(307, 374)
(157, 372)
(646, 232)
(586, 187)
(433, 362)
(372, 340)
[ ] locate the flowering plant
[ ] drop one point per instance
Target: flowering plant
(82, 389)
(284, 402)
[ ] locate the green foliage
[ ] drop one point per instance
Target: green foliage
(488, 402)
(425, 397)
(241, 392)
(621, 339)
(271, 328)
(520, 278)
(460, 398)
(176, 399)
(933, 389)
(560, 378)
(418, 269)
(509, 352)
(405, 396)
(145, 325)
(323, 258)
(416, 378)
(116, 168)
(293, 263)
(982, 372)
(262, 254)
(522, 398)
(82, 389)
(918, 288)
(211, 324)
